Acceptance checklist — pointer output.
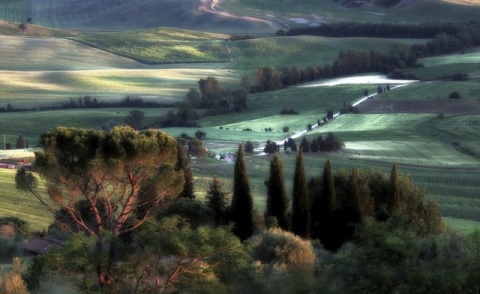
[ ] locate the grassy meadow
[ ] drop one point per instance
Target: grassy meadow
(304, 51)
(22, 205)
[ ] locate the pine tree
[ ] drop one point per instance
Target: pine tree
(217, 200)
(184, 165)
(241, 212)
(301, 221)
(277, 198)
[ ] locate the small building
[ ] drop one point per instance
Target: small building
(40, 245)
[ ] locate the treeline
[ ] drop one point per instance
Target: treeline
(319, 144)
(347, 63)
(389, 30)
(447, 38)
(128, 101)
(211, 98)
(92, 102)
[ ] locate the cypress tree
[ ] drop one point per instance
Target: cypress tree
(184, 165)
(393, 201)
(329, 193)
(349, 217)
(301, 221)
(329, 227)
(277, 198)
(241, 212)
(217, 200)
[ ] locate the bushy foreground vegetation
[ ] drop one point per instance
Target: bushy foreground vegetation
(118, 193)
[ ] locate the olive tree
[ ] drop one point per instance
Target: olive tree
(122, 176)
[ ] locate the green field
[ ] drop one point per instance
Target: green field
(112, 15)
(22, 205)
(31, 124)
(311, 12)
(304, 51)
(434, 89)
(447, 65)
(163, 45)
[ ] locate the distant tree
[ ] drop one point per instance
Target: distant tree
(388, 87)
(270, 147)
(291, 143)
(196, 149)
(217, 200)
(454, 95)
(194, 97)
(241, 211)
(248, 147)
(21, 143)
(200, 135)
(245, 83)
(211, 92)
(135, 119)
(459, 77)
(185, 113)
(8, 146)
(277, 197)
(329, 114)
(379, 90)
(301, 220)
(365, 93)
(305, 145)
(285, 129)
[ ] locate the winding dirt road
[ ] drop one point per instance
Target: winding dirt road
(210, 6)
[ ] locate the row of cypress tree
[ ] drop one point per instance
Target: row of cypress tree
(331, 207)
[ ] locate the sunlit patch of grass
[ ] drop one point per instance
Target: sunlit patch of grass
(21, 204)
(162, 45)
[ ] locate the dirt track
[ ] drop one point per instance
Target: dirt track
(210, 6)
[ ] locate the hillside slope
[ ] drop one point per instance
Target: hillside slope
(115, 15)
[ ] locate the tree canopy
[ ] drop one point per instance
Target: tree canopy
(121, 176)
